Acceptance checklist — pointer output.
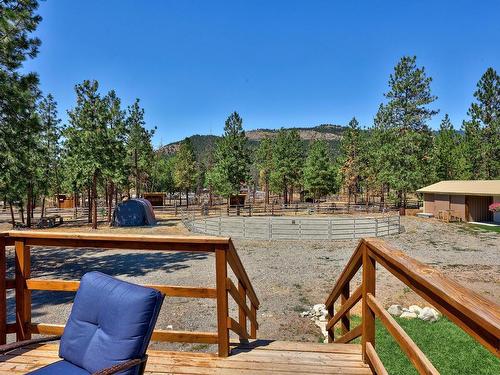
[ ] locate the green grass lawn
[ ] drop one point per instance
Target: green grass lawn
(450, 350)
(487, 228)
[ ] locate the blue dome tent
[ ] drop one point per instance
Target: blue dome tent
(133, 213)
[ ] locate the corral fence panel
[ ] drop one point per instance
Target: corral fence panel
(295, 228)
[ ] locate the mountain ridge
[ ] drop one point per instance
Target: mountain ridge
(204, 143)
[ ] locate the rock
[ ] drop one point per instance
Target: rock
(319, 309)
(415, 309)
(395, 310)
(170, 326)
(429, 314)
(304, 314)
(322, 326)
(408, 315)
(322, 318)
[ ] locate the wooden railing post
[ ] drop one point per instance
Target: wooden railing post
(331, 332)
(368, 287)
(242, 317)
(3, 293)
(253, 326)
(222, 301)
(23, 295)
(344, 321)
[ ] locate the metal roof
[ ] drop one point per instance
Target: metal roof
(459, 187)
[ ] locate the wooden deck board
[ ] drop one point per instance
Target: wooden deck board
(260, 357)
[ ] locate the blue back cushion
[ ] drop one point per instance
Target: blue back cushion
(111, 321)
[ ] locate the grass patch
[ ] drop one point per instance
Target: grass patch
(486, 228)
(450, 350)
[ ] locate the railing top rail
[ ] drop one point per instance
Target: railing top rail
(467, 308)
(118, 237)
(353, 265)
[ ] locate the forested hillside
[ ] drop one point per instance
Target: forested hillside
(203, 144)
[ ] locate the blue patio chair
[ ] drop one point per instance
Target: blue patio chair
(108, 330)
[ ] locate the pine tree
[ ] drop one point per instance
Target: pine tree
(231, 159)
(49, 168)
(19, 126)
(351, 155)
(139, 146)
(447, 156)
(185, 170)
(319, 176)
(288, 161)
(405, 116)
(264, 164)
(88, 140)
(482, 131)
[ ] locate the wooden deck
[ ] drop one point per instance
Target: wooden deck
(260, 357)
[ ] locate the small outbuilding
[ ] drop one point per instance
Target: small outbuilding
(156, 199)
(133, 213)
(466, 200)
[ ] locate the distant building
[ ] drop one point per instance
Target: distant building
(467, 200)
(156, 199)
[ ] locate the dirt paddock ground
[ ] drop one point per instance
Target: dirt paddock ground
(288, 276)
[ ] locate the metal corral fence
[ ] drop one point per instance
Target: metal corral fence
(296, 228)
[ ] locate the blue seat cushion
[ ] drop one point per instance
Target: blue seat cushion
(60, 368)
(111, 322)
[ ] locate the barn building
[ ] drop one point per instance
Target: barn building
(466, 200)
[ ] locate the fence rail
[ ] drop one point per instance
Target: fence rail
(476, 315)
(241, 290)
(290, 228)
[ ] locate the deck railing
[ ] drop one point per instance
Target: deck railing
(225, 254)
(476, 315)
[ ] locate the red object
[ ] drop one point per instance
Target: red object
(494, 207)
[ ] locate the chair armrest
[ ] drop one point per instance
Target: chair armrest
(121, 366)
(20, 344)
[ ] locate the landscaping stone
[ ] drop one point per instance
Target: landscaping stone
(395, 310)
(415, 309)
(429, 314)
(408, 315)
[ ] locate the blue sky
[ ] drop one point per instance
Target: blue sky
(278, 63)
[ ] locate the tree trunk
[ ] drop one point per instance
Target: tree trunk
(136, 165)
(382, 199)
(42, 214)
(187, 198)
(94, 201)
(110, 200)
(290, 198)
(29, 203)
(89, 205)
(267, 191)
(285, 192)
(12, 218)
(75, 202)
(21, 211)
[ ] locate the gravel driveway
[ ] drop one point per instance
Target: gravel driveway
(288, 276)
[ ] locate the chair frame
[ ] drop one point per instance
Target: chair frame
(106, 371)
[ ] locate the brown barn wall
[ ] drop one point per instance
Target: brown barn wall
(441, 203)
(457, 204)
(429, 203)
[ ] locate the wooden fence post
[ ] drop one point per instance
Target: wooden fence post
(345, 322)
(253, 327)
(331, 332)
(3, 293)
(368, 286)
(241, 313)
(23, 295)
(222, 301)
